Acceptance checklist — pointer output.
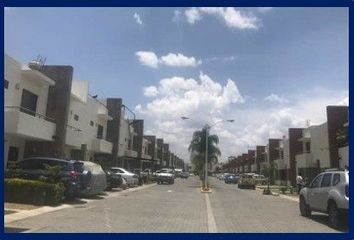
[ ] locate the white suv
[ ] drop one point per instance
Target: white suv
(327, 193)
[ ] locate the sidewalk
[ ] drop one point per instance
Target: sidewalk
(23, 211)
(292, 198)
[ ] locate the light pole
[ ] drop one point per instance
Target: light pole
(207, 128)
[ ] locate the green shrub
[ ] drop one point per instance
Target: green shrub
(283, 189)
(33, 192)
(11, 173)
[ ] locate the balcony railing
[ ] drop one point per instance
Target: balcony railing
(29, 112)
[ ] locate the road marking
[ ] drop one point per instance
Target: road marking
(211, 220)
(107, 220)
(169, 191)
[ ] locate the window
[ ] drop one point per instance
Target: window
(91, 123)
(13, 154)
(308, 147)
(316, 182)
(336, 179)
(100, 131)
(29, 102)
(76, 117)
(6, 84)
(326, 180)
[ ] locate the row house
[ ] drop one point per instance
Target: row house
(308, 150)
(47, 113)
(152, 150)
(321, 148)
(25, 109)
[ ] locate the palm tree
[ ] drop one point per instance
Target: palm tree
(197, 149)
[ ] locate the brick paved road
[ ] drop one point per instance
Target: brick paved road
(180, 208)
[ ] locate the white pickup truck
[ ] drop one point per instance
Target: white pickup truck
(165, 175)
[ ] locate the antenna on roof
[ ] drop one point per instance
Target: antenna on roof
(38, 63)
(308, 123)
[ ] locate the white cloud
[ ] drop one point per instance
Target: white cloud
(193, 15)
(205, 100)
(233, 17)
(148, 58)
(264, 9)
(172, 59)
(221, 59)
(138, 19)
(179, 60)
(344, 101)
(150, 91)
(176, 16)
(275, 98)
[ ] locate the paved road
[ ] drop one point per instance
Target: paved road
(180, 208)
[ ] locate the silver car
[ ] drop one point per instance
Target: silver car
(327, 193)
(97, 182)
(131, 178)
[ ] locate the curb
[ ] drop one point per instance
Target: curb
(23, 214)
(281, 195)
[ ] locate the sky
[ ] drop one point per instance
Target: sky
(266, 68)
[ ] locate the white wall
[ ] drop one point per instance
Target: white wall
(319, 145)
(87, 112)
(21, 125)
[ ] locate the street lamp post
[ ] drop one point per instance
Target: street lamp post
(206, 157)
(207, 128)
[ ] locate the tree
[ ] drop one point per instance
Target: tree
(268, 171)
(197, 150)
(342, 137)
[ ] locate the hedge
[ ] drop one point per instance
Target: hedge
(33, 192)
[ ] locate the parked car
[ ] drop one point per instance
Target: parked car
(98, 181)
(131, 178)
(327, 193)
(113, 180)
(260, 179)
(184, 175)
(36, 167)
(247, 180)
(165, 175)
(222, 176)
(231, 178)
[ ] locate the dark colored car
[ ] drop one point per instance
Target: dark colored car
(36, 167)
(113, 180)
(184, 175)
(231, 178)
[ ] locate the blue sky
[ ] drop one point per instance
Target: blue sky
(281, 64)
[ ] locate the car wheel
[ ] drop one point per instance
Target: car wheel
(334, 216)
(304, 208)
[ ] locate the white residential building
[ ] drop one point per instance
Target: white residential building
(87, 124)
(315, 156)
(26, 94)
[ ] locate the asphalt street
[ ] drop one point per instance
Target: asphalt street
(179, 208)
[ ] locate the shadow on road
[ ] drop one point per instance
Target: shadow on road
(15, 229)
(323, 219)
(75, 201)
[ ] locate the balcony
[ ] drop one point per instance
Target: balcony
(101, 145)
(130, 153)
(26, 123)
(73, 136)
(145, 156)
(304, 160)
